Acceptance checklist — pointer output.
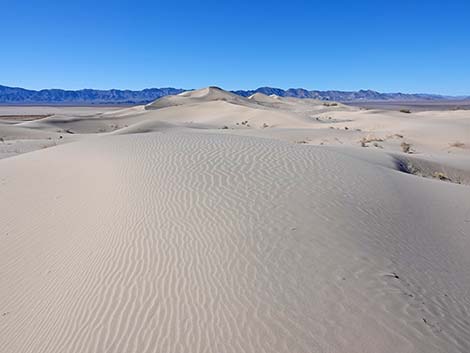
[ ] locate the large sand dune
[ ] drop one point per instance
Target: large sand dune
(185, 228)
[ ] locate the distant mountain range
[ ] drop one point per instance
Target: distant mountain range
(345, 96)
(15, 95)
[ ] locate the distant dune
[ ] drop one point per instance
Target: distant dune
(211, 222)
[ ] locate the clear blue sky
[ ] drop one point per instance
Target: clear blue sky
(408, 46)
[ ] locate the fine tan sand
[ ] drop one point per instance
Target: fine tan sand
(208, 222)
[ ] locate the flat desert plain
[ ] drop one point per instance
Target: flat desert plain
(208, 222)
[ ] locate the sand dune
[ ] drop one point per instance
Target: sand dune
(208, 94)
(175, 229)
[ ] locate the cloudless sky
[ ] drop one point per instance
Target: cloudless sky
(385, 45)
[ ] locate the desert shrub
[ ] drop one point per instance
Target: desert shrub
(406, 111)
(367, 139)
(457, 144)
(441, 176)
(405, 147)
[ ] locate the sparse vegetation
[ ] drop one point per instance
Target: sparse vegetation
(330, 104)
(441, 176)
(376, 144)
(225, 127)
(406, 111)
(368, 139)
(429, 171)
(265, 125)
(406, 147)
(457, 144)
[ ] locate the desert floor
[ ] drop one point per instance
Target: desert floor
(208, 222)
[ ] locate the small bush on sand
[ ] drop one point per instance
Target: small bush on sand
(457, 144)
(368, 139)
(406, 111)
(405, 147)
(441, 176)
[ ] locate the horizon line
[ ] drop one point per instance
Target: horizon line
(241, 89)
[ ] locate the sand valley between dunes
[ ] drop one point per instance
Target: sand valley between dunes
(209, 222)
